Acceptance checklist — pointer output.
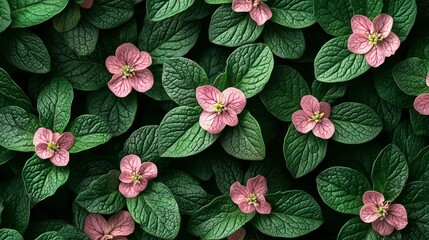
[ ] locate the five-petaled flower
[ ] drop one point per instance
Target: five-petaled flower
(237, 235)
(129, 69)
(135, 175)
(251, 197)
(87, 4)
(117, 227)
(259, 11)
(421, 103)
(219, 108)
(383, 215)
(54, 146)
(314, 116)
(374, 39)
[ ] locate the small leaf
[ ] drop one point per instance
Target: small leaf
(67, 19)
(11, 93)
(161, 9)
(226, 171)
(82, 39)
(285, 42)
(30, 13)
(10, 234)
(334, 18)
(293, 14)
(5, 18)
(410, 75)
(328, 92)
(106, 14)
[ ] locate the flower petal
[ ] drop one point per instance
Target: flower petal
(310, 104)
(324, 129)
(241, 6)
(375, 57)
(139, 187)
(257, 184)
(325, 108)
(229, 117)
(397, 216)
(142, 61)
(263, 207)
(237, 235)
(361, 24)
(211, 122)
(234, 99)
(238, 193)
(358, 43)
(130, 163)
(368, 213)
(261, 13)
(114, 65)
(60, 158)
(246, 208)
(121, 224)
(390, 44)
(120, 86)
(125, 177)
(55, 137)
(301, 122)
(383, 24)
(382, 227)
(94, 226)
(42, 135)
(65, 141)
(127, 53)
(143, 80)
(373, 197)
(128, 190)
(421, 104)
(87, 4)
(207, 96)
(148, 170)
(43, 152)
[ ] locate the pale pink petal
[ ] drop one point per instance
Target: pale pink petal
(94, 226)
(229, 117)
(55, 137)
(125, 177)
(324, 129)
(128, 190)
(368, 213)
(301, 122)
(310, 104)
(148, 170)
(361, 24)
(390, 44)
(142, 61)
(421, 104)
(120, 86)
(87, 4)
(237, 235)
(127, 53)
(60, 158)
(246, 208)
(397, 216)
(238, 193)
(261, 13)
(263, 207)
(373, 197)
(211, 122)
(207, 96)
(43, 152)
(257, 184)
(358, 43)
(65, 141)
(42, 135)
(382, 227)
(383, 24)
(121, 224)
(138, 187)
(114, 65)
(142, 81)
(242, 5)
(130, 163)
(325, 108)
(234, 99)
(375, 57)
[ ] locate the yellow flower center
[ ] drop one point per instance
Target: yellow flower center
(53, 146)
(136, 177)
(375, 38)
(317, 117)
(218, 108)
(252, 199)
(128, 71)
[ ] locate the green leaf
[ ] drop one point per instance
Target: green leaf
(198, 10)
(157, 91)
(54, 104)
(10, 234)
(213, 61)
(283, 92)
(334, 17)
(303, 152)
(5, 18)
(89, 131)
(244, 141)
(231, 29)
(293, 14)
(68, 231)
(354, 123)
(410, 75)
(328, 92)
(368, 8)
(6, 155)
(227, 170)
(79, 215)
(87, 171)
(342, 188)
(335, 63)
(25, 50)
(42, 178)
(419, 166)
(161, 9)
(409, 143)
(404, 14)
(30, 13)
(249, 67)
(390, 172)
(168, 38)
(82, 39)
(102, 195)
(16, 213)
(51, 235)
(180, 78)
(218, 219)
(118, 113)
(180, 135)
(419, 123)
(68, 18)
(156, 210)
(285, 42)
(18, 128)
(355, 228)
(11, 93)
(106, 14)
(294, 213)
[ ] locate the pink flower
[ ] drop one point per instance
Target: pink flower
(251, 197)
(87, 4)
(374, 39)
(117, 227)
(54, 146)
(314, 116)
(129, 69)
(237, 235)
(421, 103)
(219, 108)
(135, 175)
(259, 11)
(384, 216)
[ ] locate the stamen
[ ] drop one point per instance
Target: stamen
(136, 177)
(128, 71)
(219, 108)
(53, 146)
(375, 38)
(317, 117)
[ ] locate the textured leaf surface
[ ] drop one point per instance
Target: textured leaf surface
(198, 10)
(213, 61)
(161, 9)
(68, 231)
(11, 93)
(67, 19)
(5, 18)
(82, 39)
(328, 92)
(368, 8)
(355, 228)
(409, 143)
(52, 235)
(227, 170)
(404, 14)
(410, 75)
(285, 42)
(10, 234)
(334, 17)
(87, 171)
(29, 13)
(16, 213)
(106, 14)
(419, 166)
(419, 123)
(293, 14)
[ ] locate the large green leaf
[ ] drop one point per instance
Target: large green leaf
(29, 13)
(284, 42)
(355, 228)
(51, 235)
(82, 39)
(10, 234)
(5, 18)
(368, 8)
(11, 93)
(213, 61)
(410, 75)
(404, 14)
(293, 13)
(106, 14)
(161, 9)
(334, 17)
